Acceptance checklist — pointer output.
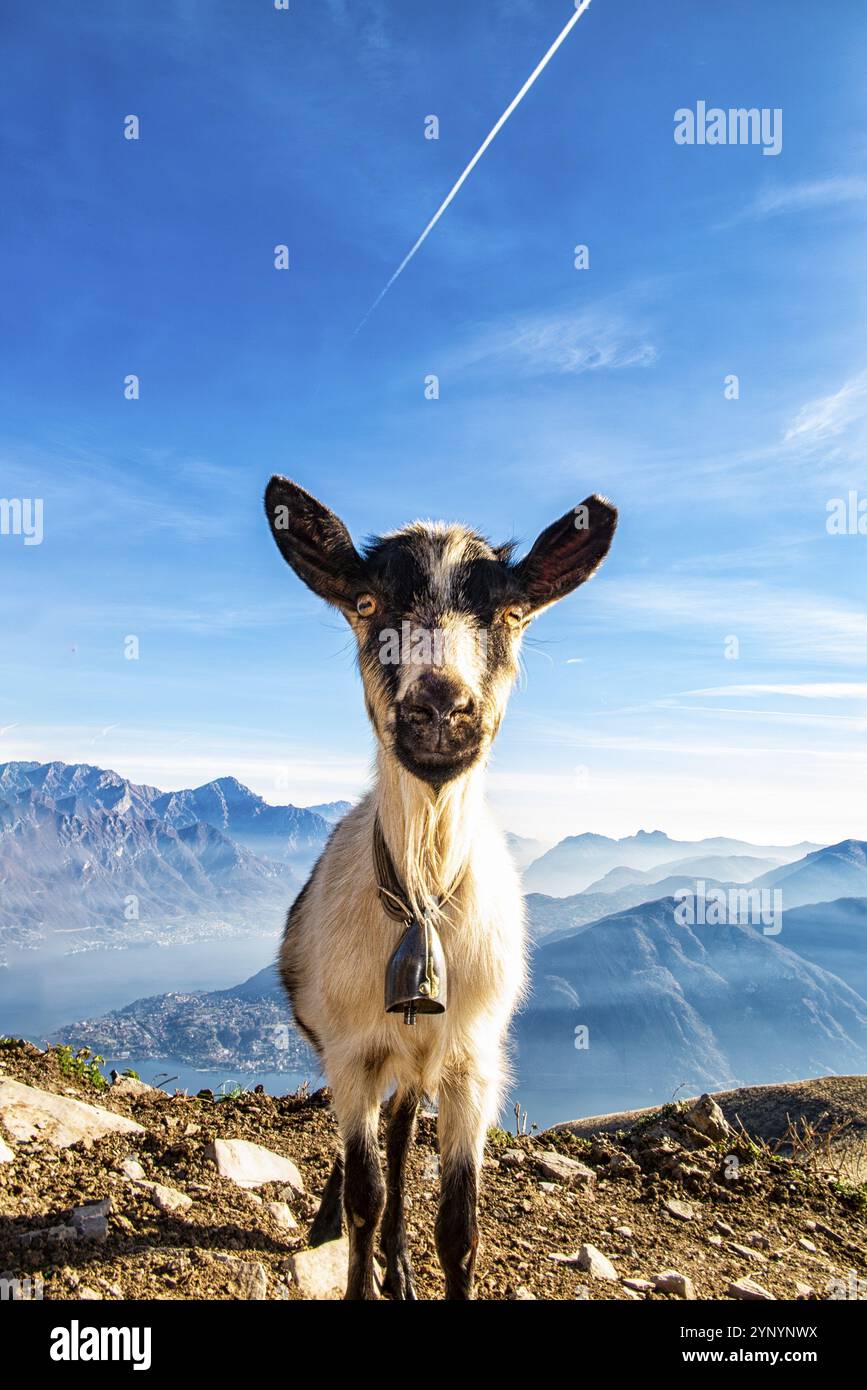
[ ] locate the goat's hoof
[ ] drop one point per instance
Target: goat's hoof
(398, 1281)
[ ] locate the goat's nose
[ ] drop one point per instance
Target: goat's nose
(436, 700)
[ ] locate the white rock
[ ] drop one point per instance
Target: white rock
(248, 1278)
(132, 1169)
(597, 1265)
(28, 1113)
(6, 1154)
(282, 1215)
(748, 1288)
(322, 1272)
(91, 1219)
(251, 1165)
(669, 1281)
(681, 1211)
(806, 1244)
(512, 1158)
(639, 1285)
(558, 1168)
(706, 1117)
(168, 1199)
(623, 1231)
(131, 1086)
(523, 1295)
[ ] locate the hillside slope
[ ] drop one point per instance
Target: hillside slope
(657, 1197)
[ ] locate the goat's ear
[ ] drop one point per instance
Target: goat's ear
(315, 543)
(567, 552)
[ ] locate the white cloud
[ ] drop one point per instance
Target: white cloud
(560, 345)
(792, 624)
(808, 690)
(827, 417)
(802, 197)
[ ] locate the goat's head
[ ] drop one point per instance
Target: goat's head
(438, 616)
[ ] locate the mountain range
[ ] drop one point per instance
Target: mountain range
(88, 858)
(706, 1006)
(664, 1004)
(579, 861)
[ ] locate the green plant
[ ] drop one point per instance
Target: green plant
(82, 1065)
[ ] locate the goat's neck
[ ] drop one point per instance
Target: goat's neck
(430, 834)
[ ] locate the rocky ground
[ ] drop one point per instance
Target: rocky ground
(678, 1203)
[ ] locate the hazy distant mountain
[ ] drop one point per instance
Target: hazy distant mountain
(332, 811)
(553, 917)
(833, 935)
(581, 860)
(524, 851)
(724, 868)
(837, 871)
(290, 833)
(666, 1004)
(76, 877)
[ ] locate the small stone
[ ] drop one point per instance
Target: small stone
(86, 1292)
(625, 1231)
(168, 1199)
(620, 1165)
(594, 1263)
(129, 1086)
(681, 1211)
(804, 1290)
(132, 1169)
(639, 1285)
(49, 1233)
(321, 1273)
(91, 1219)
(6, 1154)
(723, 1227)
(282, 1215)
(549, 1187)
(748, 1289)
(248, 1278)
(746, 1252)
(706, 1117)
(251, 1165)
(512, 1158)
(758, 1240)
(807, 1244)
(523, 1294)
(567, 1171)
(669, 1281)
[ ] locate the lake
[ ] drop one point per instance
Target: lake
(40, 993)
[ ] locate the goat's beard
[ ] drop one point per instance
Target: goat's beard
(429, 830)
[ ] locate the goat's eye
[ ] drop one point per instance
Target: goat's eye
(365, 605)
(514, 617)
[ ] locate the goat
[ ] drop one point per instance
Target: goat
(438, 615)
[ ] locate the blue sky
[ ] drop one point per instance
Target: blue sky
(306, 127)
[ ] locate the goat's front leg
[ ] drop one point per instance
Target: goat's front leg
(356, 1103)
(467, 1101)
(401, 1128)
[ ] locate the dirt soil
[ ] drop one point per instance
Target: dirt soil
(740, 1211)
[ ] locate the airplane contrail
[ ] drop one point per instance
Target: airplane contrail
(476, 157)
